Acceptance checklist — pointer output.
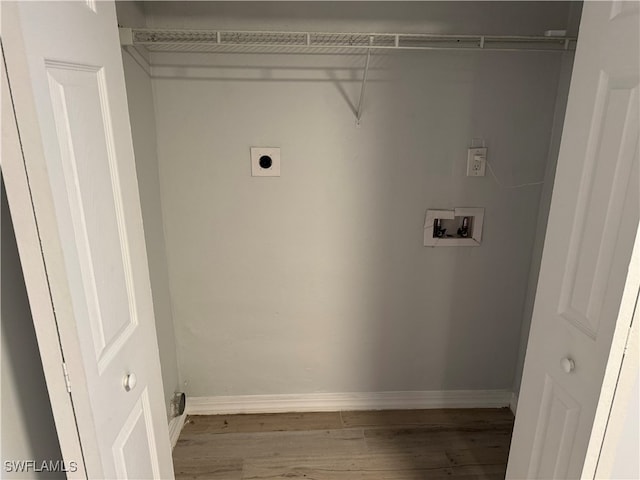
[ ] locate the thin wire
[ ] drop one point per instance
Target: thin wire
(510, 186)
(493, 174)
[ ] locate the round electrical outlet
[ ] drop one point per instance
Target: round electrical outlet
(265, 161)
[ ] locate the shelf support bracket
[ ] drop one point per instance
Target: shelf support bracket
(362, 89)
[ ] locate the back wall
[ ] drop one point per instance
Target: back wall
(317, 281)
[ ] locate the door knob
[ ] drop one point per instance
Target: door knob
(129, 381)
(568, 365)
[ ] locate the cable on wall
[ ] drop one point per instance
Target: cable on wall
(493, 173)
(510, 186)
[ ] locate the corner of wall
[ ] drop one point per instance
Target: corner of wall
(142, 114)
(180, 381)
(564, 80)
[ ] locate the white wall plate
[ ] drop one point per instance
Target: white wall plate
(476, 161)
(265, 162)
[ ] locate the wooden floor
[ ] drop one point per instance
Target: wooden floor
(460, 444)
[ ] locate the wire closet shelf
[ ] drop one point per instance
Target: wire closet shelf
(171, 40)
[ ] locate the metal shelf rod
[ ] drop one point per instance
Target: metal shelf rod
(154, 40)
(364, 84)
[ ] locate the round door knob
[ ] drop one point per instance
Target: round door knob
(129, 382)
(568, 365)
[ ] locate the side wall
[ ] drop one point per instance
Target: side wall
(543, 211)
(28, 429)
(143, 130)
(566, 68)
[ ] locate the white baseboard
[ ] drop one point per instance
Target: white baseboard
(328, 402)
(513, 403)
(175, 427)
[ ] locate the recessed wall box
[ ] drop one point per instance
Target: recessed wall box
(460, 227)
(265, 162)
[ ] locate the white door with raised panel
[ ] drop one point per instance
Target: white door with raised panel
(66, 77)
(592, 226)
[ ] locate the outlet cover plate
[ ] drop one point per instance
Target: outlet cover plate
(258, 170)
(476, 161)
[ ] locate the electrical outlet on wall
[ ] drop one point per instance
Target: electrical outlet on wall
(476, 161)
(265, 162)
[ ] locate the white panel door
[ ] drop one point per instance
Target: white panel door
(65, 69)
(592, 226)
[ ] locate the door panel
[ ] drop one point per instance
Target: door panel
(85, 133)
(592, 226)
(555, 432)
(131, 462)
(609, 157)
(78, 156)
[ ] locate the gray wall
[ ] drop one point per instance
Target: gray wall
(143, 130)
(566, 68)
(28, 430)
(543, 211)
(318, 281)
(496, 18)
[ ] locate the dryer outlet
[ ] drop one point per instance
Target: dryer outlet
(265, 162)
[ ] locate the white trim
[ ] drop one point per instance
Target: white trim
(175, 427)
(327, 402)
(513, 403)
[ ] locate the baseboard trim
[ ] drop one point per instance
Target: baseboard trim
(327, 402)
(175, 427)
(513, 403)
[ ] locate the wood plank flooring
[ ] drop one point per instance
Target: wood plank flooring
(461, 444)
